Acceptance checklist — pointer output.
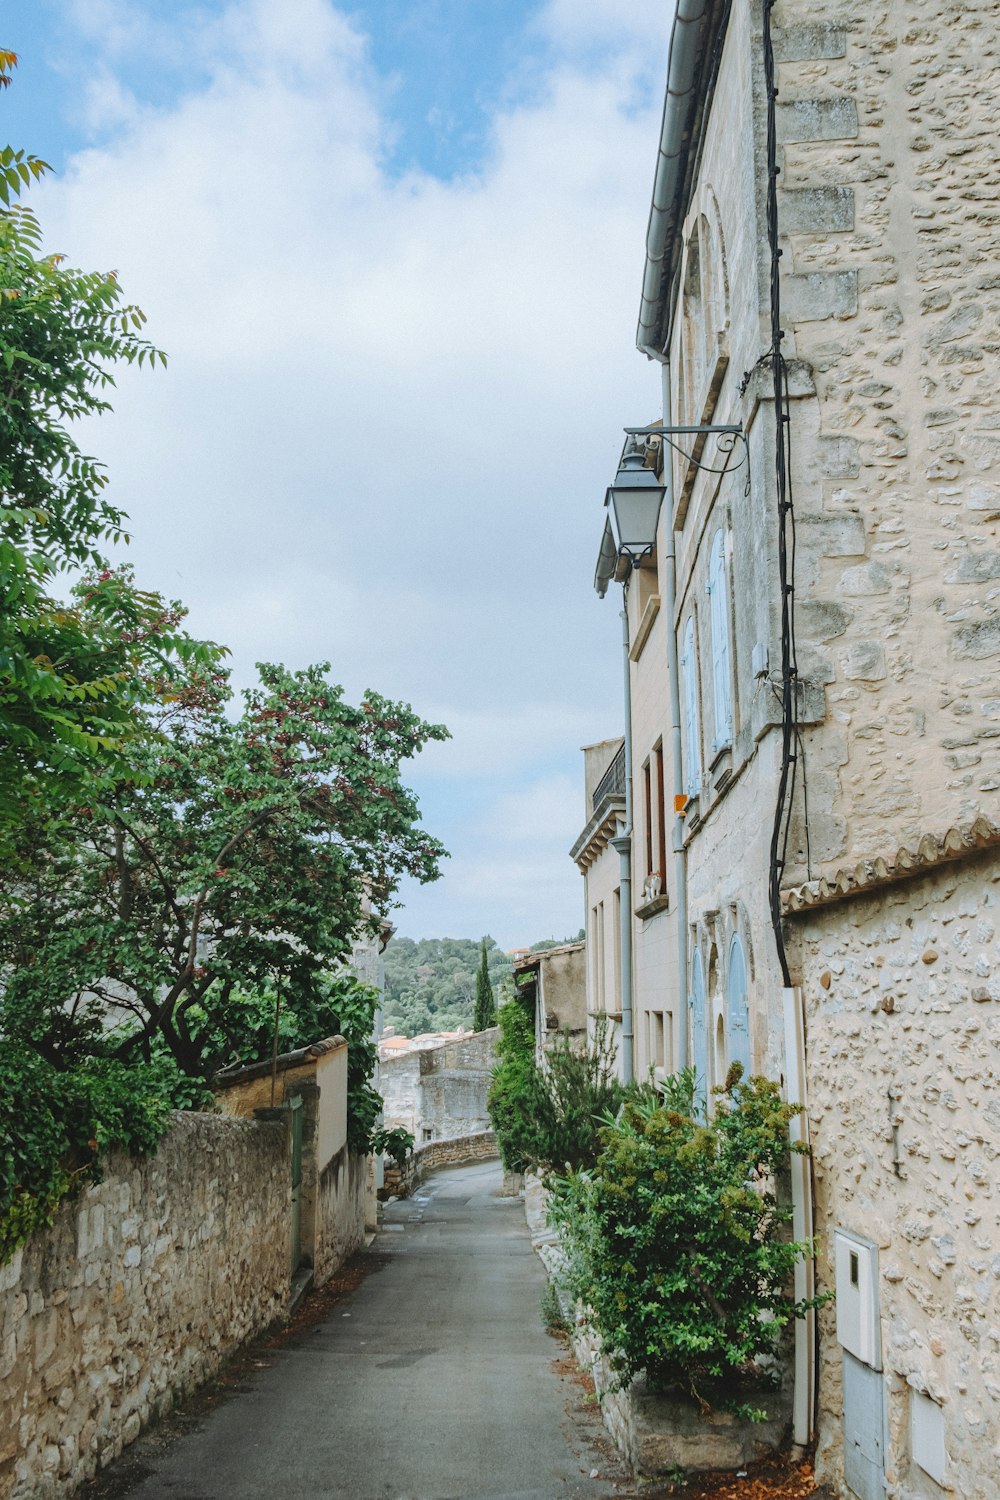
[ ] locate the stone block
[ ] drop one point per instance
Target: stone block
(864, 662)
(821, 619)
(808, 42)
(976, 567)
(669, 1433)
(978, 641)
(839, 456)
(816, 210)
(818, 295)
(866, 580)
(833, 536)
(831, 119)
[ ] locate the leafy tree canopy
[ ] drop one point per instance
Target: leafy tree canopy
(75, 674)
(247, 853)
(430, 983)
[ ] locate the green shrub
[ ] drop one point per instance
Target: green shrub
(550, 1117)
(676, 1241)
(56, 1128)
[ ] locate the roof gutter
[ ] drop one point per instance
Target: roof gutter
(692, 68)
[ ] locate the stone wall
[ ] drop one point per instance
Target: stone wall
(891, 283)
(139, 1290)
(903, 1015)
(440, 1092)
(341, 1215)
(460, 1151)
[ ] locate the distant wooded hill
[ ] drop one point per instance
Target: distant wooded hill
(430, 984)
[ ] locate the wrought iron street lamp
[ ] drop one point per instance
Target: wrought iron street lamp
(634, 502)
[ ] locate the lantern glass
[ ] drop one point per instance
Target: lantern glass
(634, 501)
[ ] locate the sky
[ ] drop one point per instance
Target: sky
(393, 250)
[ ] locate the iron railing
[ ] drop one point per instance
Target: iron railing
(612, 783)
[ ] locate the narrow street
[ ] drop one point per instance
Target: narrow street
(433, 1380)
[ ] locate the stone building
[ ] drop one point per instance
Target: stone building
(436, 1088)
(813, 642)
(554, 983)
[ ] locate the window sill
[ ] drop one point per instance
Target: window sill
(652, 908)
(644, 626)
(721, 767)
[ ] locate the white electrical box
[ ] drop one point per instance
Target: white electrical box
(759, 659)
(927, 1436)
(857, 1297)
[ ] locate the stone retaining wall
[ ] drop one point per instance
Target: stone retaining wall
(139, 1290)
(459, 1151)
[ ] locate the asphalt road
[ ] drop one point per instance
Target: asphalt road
(434, 1380)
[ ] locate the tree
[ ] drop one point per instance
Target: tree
(246, 855)
(485, 1014)
(74, 675)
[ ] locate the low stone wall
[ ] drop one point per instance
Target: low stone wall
(340, 1212)
(460, 1151)
(138, 1291)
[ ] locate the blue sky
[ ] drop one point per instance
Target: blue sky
(394, 252)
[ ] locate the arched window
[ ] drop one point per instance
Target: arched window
(737, 1005)
(692, 725)
(699, 1027)
(722, 690)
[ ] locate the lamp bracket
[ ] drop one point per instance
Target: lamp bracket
(727, 434)
(736, 428)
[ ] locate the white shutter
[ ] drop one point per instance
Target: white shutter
(692, 739)
(721, 671)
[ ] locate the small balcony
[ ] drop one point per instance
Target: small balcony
(612, 783)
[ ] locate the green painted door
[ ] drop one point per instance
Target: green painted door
(295, 1105)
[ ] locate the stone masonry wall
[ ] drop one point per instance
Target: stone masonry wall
(440, 1089)
(903, 1017)
(458, 1151)
(139, 1290)
(888, 118)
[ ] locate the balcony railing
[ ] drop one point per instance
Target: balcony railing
(612, 783)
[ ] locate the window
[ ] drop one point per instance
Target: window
(661, 817)
(655, 824)
(692, 726)
(737, 1005)
(597, 949)
(705, 315)
(618, 948)
(647, 783)
(699, 1025)
(661, 1041)
(718, 592)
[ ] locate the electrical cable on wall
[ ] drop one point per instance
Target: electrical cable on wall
(789, 688)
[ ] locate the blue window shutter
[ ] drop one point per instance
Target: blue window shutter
(721, 670)
(692, 738)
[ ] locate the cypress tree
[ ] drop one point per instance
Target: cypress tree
(485, 1014)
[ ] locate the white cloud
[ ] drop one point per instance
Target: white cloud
(393, 402)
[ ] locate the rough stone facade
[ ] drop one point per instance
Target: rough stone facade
(889, 232)
(140, 1289)
(439, 1092)
(903, 1014)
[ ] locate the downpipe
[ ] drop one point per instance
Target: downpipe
(622, 842)
(677, 769)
